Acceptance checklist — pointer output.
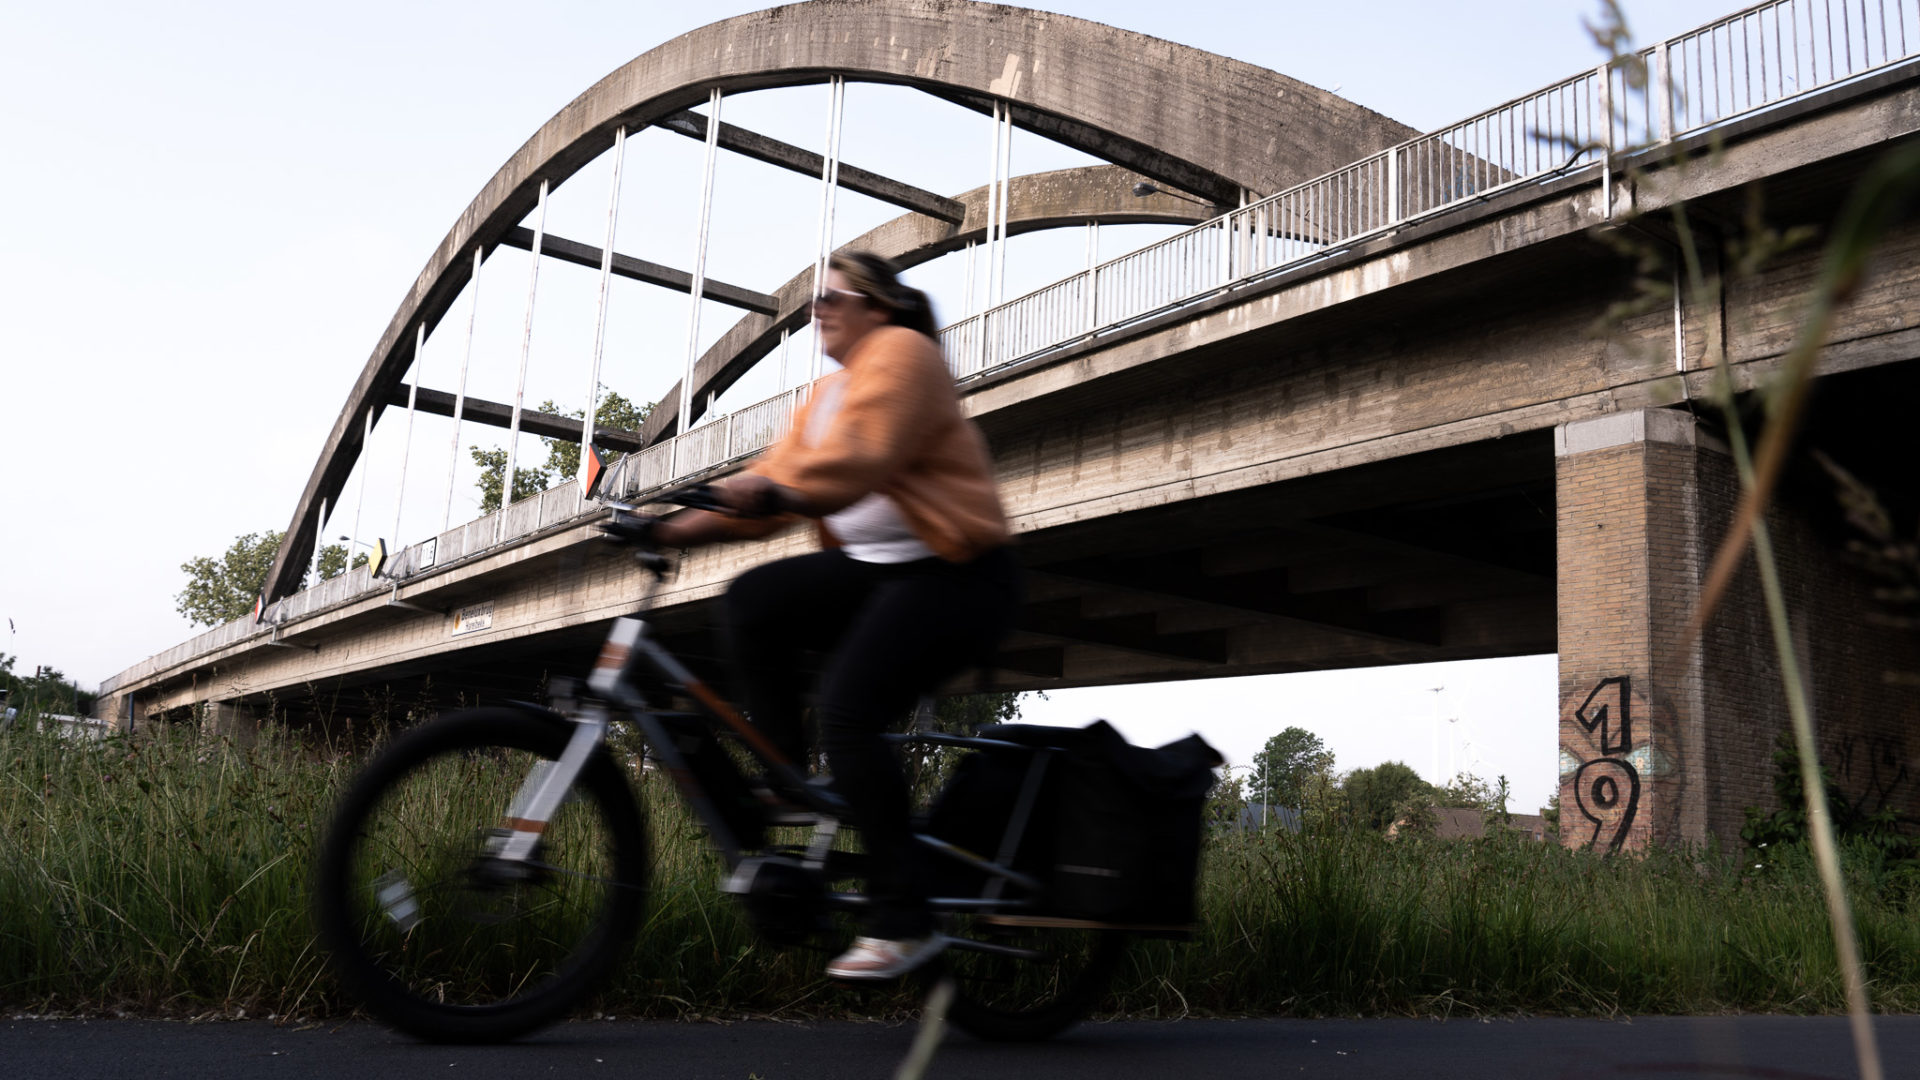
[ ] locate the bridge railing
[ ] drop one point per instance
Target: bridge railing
(1748, 61)
(1751, 60)
(712, 444)
(1771, 52)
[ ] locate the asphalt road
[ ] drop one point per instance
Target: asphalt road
(1698, 1048)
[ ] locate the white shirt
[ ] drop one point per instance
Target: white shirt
(871, 530)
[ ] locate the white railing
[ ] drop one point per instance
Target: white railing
(717, 442)
(1772, 52)
(1751, 60)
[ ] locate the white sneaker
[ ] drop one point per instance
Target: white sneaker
(884, 958)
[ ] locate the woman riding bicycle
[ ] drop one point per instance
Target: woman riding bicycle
(915, 582)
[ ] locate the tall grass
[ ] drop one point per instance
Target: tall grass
(164, 873)
(1354, 923)
(168, 874)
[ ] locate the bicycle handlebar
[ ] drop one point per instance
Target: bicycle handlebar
(627, 525)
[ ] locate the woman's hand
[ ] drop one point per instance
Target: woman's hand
(748, 495)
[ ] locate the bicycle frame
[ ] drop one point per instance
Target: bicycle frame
(451, 944)
(612, 688)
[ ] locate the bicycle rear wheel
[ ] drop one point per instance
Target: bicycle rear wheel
(450, 943)
(1045, 979)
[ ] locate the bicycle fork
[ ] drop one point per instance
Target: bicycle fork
(545, 788)
(518, 835)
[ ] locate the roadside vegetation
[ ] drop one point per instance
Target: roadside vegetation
(166, 874)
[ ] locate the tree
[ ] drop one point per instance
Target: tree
(1284, 769)
(1376, 797)
(614, 411)
(47, 690)
(563, 455)
(929, 768)
(493, 470)
(1226, 800)
(333, 561)
(1469, 792)
(223, 589)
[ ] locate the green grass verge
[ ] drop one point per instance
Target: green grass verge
(168, 874)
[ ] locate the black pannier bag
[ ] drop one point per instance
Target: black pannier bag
(1128, 827)
(1115, 832)
(975, 808)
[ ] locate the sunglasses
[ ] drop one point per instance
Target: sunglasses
(833, 298)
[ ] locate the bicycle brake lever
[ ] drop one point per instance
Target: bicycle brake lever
(697, 497)
(630, 527)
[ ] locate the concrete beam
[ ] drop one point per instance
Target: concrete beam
(627, 266)
(494, 414)
(1264, 593)
(1064, 619)
(774, 152)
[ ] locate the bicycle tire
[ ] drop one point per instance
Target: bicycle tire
(440, 940)
(1011, 999)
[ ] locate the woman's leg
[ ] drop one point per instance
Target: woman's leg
(925, 623)
(773, 613)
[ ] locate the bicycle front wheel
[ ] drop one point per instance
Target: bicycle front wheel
(445, 940)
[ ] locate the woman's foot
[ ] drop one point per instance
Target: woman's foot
(885, 958)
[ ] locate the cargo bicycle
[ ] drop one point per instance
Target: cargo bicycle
(488, 868)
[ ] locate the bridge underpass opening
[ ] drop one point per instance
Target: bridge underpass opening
(1346, 571)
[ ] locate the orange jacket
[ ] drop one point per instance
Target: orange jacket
(898, 431)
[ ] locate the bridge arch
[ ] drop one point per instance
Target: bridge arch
(1212, 125)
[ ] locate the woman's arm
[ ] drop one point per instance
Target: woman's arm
(898, 396)
(760, 507)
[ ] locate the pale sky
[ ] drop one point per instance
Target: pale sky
(217, 206)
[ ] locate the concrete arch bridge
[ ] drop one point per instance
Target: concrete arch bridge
(1372, 396)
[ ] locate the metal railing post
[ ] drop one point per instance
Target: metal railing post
(1091, 277)
(1224, 261)
(1606, 141)
(1393, 185)
(1663, 103)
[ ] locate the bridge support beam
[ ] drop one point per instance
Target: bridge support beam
(231, 720)
(1667, 737)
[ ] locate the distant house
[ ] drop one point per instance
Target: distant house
(1453, 823)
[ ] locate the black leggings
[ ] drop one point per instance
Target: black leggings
(893, 631)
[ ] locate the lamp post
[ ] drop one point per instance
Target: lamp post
(1145, 188)
(373, 552)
